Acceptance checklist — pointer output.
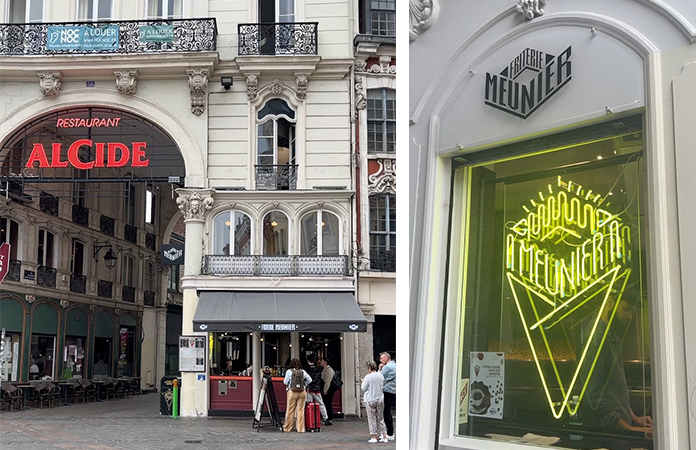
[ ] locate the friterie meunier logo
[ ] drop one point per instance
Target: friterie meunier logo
(528, 81)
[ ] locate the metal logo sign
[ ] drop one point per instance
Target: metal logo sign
(528, 81)
(4, 260)
(172, 254)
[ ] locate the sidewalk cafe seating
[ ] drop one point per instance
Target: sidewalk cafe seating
(45, 391)
(12, 396)
(89, 390)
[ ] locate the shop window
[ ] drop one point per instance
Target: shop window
(42, 362)
(94, 10)
(165, 9)
(275, 150)
(381, 121)
(26, 11)
(553, 318)
(232, 227)
(126, 355)
(275, 233)
(383, 232)
(102, 356)
(381, 17)
(10, 348)
(9, 233)
(275, 352)
(320, 234)
(74, 357)
(45, 249)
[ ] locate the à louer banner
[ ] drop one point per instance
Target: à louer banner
(82, 38)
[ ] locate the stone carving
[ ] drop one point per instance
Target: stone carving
(193, 205)
(360, 100)
(30, 298)
(277, 87)
(117, 311)
(198, 88)
(531, 8)
(50, 83)
(126, 82)
(252, 86)
(422, 15)
(92, 308)
(301, 83)
(360, 66)
(383, 66)
(64, 303)
(384, 180)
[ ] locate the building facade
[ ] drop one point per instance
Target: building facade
(550, 181)
(226, 128)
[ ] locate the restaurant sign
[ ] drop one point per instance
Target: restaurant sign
(82, 38)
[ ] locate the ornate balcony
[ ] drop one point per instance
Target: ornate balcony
(128, 294)
(276, 178)
(46, 276)
(107, 225)
(383, 261)
(78, 283)
(277, 38)
(130, 233)
(80, 215)
(104, 288)
(14, 271)
(125, 36)
(48, 203)
(148, 298)
(276, 266)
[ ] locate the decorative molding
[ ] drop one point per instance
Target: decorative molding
(30, 298)
(252, 86)
(194, 204)
(360, 66)
(126, 81)
(531, 8)
(92, 308)
(301, 80)
(360, 93)
(422, 16)
(117, 311)
(277, 87)
(384, 180)
(198, 88)
(383, 66)
(50, 83)
(64, 303)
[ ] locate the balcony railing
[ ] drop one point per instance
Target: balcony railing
(14, 271)
(130, 233)
(104, 288)
(107, 225)
(124, 36)
(80, 215)
(46, 276)
(276, 178)
(148, 298)
(275, 266)
(128, 294)
(277, 38)
(78, 283)
(383, 261)
(48, 203)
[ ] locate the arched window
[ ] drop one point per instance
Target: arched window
(275, 150)
(275, 233)
(232, 227)
(320, 234)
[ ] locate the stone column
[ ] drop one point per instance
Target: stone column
(194, 205)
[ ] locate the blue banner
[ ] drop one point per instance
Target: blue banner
(82, 38)
(157, 33)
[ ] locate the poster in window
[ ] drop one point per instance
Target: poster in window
(463, 402)
(192, 353)
(487, 388)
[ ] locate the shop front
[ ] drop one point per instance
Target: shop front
(251, 332)
(550, 301)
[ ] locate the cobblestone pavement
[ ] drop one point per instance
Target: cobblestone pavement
(135, 424)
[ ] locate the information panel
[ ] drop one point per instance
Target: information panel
(192, 353)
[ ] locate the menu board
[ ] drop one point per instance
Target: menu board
(192, 353)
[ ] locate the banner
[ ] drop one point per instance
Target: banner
(82, 38)
(157, 33)
(487, 389)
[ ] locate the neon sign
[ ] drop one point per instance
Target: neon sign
(567, 251)
(112, 154)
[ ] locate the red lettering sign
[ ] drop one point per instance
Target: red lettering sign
(117, 155)
(4, 260)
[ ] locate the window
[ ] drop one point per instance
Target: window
(383, 232)
(79, 188)
(77, 257)
(276, 168)
(275, 233)
(45, 249)
(150, 277)
(381, 121)
(129, 207)
(94, 10)
(165, 9)
(382, 17)
(174, 275)
(276, 11)
(553, 323)
(26, 11)
(235, 227)
(320, 234)
(9, 233)
(43, 349)
(127, 271)
(150, 205)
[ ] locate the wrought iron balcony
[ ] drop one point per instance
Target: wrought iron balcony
(46, 276)
(78, 283)
(128, 294)
(80, 215)
(107, 225)
(130, 233)
(14, 271)
(123, 36)
(276, 178)
(148, 298)
(278, 38)
(104, 288)
(276, 266)
(383, 261)
(48, 203)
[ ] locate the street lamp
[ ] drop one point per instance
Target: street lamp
(109, 257)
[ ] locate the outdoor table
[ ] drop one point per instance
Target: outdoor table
(25, 391)
(64, 385)
(99, 385)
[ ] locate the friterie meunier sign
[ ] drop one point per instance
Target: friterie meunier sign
(106, 154)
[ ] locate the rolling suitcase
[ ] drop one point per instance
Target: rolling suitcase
(312, 417)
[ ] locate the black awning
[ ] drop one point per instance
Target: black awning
(278, 312)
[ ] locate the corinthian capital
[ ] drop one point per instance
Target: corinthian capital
(194, 204)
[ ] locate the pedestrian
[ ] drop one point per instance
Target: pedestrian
(328, 391)
(388, 370)
(373, 397)
(295, 381)
(314, 389)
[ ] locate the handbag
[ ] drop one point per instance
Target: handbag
(336, 382)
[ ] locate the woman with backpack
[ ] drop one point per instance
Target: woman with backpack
(374, 403)
(295, 381)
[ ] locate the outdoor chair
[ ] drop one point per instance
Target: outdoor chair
(88, 391)
(12, 396)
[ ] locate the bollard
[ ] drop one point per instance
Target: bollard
(175, 399)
